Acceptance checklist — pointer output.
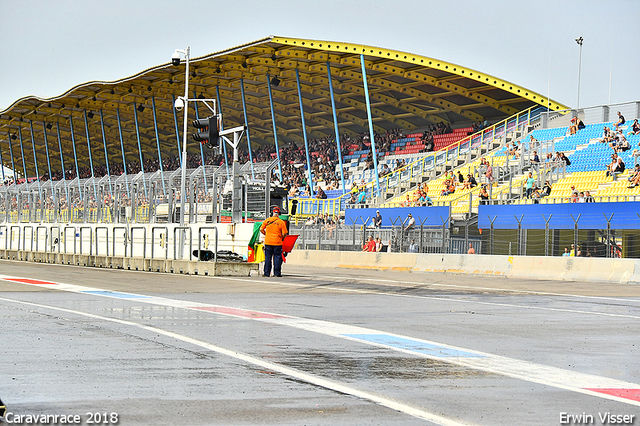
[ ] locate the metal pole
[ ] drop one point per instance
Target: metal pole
(93, 177)
(13, 165)
(46, 146)
(106, 154)
(224, 145)
(304, 133)
(175, 121)
(335, 126)
(2, 164)
(124, 160)
(246, 123)
(35, 159)
(155, 125)
(579, 40)
(273, 120)
(75, 155)
(184, 143)
(64, 176)
(371, 133)
(24, 167)
(135, 117)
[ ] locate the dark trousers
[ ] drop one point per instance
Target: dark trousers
(275, 253)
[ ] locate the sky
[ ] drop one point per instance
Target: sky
(48, 47)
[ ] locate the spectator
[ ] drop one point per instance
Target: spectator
(362, 197)
(607, 135)
(320, 195)
(471, 249)
(635, 128)
(616, 168)
(546, 189)
(535, 160)
(410, 223)
(565, 159)
(581, 197)
(576, 124)
(588, 198)
(377, 220)
(634, 177)
(488, 171)
(620, 121)
(369, 245)
(413, 247)
(379, 245)
(566, 252)
(484, 195)
(622, 144)
(529, 184)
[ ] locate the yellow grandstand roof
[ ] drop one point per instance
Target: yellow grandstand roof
(407, 91)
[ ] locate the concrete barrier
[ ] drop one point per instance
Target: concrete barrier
(463, 264)
(530, 267)
(187, 267)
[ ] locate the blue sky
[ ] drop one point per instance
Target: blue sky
(48, 47)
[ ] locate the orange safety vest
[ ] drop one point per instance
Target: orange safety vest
(274, 230)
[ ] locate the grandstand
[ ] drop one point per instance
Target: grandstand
(112, 148)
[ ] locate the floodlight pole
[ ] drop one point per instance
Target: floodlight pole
(579, 40)
(183, 176)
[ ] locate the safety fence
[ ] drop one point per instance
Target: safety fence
(145, 242)
(593, 229)
(397, 238)
(143, 198)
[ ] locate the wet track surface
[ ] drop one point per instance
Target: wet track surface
(316, 347)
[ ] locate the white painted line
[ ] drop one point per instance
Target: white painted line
(468, 287)
(439, 298)
(297, 374)
(537, 373)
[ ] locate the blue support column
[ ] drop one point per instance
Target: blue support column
(93, 177)
(106, 154)
(24, 167)
(135, 117)
(224, 144)
(155, 124)
(304, 133)
(46, 146)
(64, 172)
(246, 123)
(201, 149)
(371, 135)
(35, 158)
(175, 121)
(13, 164)
(124, 159)
(273, 120)
(335, 126)
(2, 162)
(75, 155)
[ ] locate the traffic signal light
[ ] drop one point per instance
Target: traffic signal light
(208, 131)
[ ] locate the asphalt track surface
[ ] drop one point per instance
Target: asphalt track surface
(315, 347)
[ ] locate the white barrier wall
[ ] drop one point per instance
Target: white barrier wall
(136, 240)
(536, 267)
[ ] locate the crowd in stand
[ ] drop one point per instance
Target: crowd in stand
(323, 158)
